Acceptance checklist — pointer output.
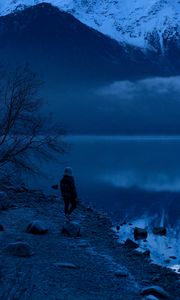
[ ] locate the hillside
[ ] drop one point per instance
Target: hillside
(150, 25)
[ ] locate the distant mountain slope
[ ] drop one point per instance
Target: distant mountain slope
(152, 24)
(77, 63)
(53, 40)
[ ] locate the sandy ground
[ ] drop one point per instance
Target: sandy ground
(96, 254)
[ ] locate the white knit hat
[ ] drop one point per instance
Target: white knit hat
(68, 171)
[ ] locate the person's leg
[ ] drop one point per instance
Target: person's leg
(66, 206)
(73, 205)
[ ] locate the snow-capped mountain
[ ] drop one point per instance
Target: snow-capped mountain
(150, 24)
(79, 65)
(43, 34)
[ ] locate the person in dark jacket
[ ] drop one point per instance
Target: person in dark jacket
(68, 192)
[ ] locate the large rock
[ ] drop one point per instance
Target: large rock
(20, 249)
(37, 227)
(140, 233)
(159, 230)
(156, 291)
(71, 229)
(131, 244)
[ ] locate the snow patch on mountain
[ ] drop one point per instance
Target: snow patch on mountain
(131, 21)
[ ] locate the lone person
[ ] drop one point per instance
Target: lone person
(68, 192)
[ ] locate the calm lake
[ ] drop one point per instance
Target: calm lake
(126, 176)
(136, 179)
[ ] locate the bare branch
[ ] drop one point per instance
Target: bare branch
(24, 134)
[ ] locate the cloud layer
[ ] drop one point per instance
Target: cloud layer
(131, 89)
(142, 107)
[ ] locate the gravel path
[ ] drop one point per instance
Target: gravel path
(96, 254)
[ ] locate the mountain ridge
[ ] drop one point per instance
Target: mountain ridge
(77, 62)
(149, 26)
(45, 33)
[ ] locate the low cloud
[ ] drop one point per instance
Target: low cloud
(142, 107)
(130, 89)
(152, 182)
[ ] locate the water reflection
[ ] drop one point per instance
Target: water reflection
(128, 177)
(164, 250)
(125, 175)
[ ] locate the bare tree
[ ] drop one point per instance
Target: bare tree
(26, 136)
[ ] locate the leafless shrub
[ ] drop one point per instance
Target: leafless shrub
(26, 136)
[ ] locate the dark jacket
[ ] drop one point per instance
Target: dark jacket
(67, 187)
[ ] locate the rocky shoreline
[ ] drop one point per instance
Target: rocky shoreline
(92, 265)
